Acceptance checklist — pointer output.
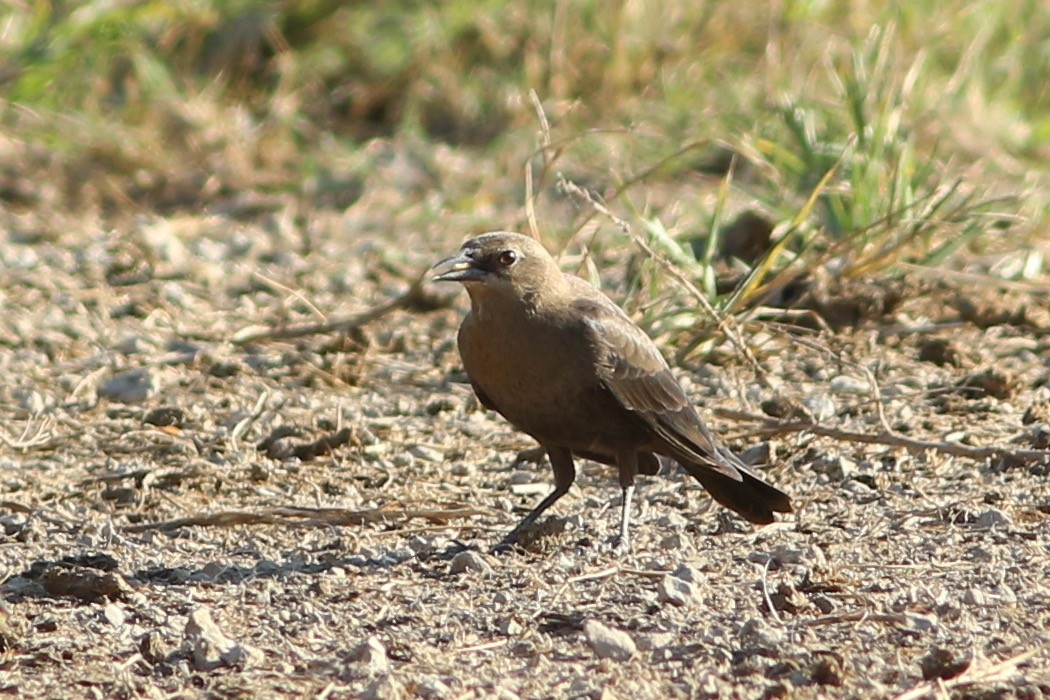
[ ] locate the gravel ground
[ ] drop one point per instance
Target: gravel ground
(189, 512)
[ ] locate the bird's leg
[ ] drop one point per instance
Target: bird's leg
(627, 464)
(564, 474)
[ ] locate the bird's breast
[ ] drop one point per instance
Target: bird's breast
(541, 376)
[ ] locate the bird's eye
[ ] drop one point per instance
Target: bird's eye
(508, 258)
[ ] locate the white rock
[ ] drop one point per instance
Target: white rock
(608, 643)
(369, 658)
(846, 384)
(427, 454)
(211, 648)
(657, 640)
(993, 517)
(114, 615)
(980, 554)
(384, 688)
(676, 591)
(920, 622)
(688, 573)
(820, 407)
(809, 555)
(762, 453)
(756, 632)
(468, 561)
(419, 544)
(434, 688)
(837, 468)
(133, 386)
(32, 401)
(673, 541)
(974, 596)
(672, 519)
(510, 627)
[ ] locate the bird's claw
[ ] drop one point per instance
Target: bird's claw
(621, 546)
(508, 543)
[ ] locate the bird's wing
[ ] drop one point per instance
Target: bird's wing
(632, 368)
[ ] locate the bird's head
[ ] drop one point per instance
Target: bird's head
(500, 263)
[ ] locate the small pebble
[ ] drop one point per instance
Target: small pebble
(676, 591)
(510, 627)
(823, 603)
(845, 384)
(384, 688)
(133, 386)
(370, 658)
(688, 573)
(757, 632)
(427, 454)
(114, 615)
(820, 407)
(836, 468)
(993, 517)
(609, 643)
(433, 688)
(212, 648)
(468, 561)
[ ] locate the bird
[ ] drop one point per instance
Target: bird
(566, 365)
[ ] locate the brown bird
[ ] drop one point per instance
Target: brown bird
(563, 363)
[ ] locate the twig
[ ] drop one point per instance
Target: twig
(545, 142)
(242, 425)
(772, 426)
(602, 573)
(876, 395)
(293, 292)
(644, 573)
(974, 674)
(608, 572)
(17, 507)
(33, 436)
(765, 593)
(889, 618)
(530, 203)
(482, 647)
(414, 298)
(939, 273)
(304, 517)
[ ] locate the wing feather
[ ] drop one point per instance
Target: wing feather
(632, 368)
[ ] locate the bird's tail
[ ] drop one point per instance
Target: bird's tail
(752, 498)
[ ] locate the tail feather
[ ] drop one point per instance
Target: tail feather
(752, 498)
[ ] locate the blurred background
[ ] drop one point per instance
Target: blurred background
(746, 141)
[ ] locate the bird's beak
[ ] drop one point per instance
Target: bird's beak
(458, 268)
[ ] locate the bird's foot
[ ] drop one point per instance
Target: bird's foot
(510, 542)
(504, 547)
(621, 546)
